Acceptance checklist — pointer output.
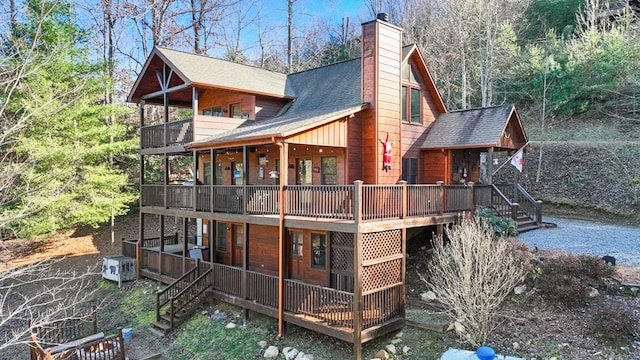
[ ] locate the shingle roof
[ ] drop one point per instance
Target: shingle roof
(482, 126)
(205, 70)
(322, 94)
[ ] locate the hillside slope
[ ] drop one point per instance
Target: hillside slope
(603, 177)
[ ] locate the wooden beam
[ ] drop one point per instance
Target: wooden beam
(357, 296)
(165, 91)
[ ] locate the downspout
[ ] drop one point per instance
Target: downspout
(283, 168)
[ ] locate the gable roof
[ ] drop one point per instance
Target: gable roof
(205, 71)
(322, 95)
(482, 127)
(412, 51)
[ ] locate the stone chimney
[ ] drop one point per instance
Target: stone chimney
(381, 85)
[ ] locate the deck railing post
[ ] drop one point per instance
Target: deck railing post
(441, 191)
(405, 203)
(471, 193)
(357, 204)
(514, 211)
(538, 212)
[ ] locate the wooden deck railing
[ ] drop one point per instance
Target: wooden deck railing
(320, 201)
(178, 133)
(341, 202)
(227, 279)
(334, 306)
(262, 288)
(381, 305)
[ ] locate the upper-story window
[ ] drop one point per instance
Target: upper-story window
(212, 111)
(411, 96)
(236, 111)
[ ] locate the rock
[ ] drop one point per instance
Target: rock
(262, 344)
(515, 346)
(395, 341)
(593, 292)
(303, 356)
(391, 348)
(271, 352)
(290, 354)
(399, 335)
(428, 296)
(285, 350)
(520, 289)
(459, 328)
(405, 350)
(382, 355)
(204, 312)
(231, 325)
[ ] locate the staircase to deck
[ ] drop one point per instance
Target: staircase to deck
(514, 202)
(178, 301)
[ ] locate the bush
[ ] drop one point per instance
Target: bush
(472, 274)
(569, 278)
(614, 322)
(501, 226)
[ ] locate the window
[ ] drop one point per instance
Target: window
(318, 251)
(296, 243)
(410, 170)
(213, 111)
(238, 234)
(415, 106)
(206, 169)
(411, 96)
(329, 170)
(236, 111)
(221, 244)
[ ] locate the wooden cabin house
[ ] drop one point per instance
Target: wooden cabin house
(303, 186)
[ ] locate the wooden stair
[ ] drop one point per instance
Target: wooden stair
(164, 323)
(528, 211)
(178, 301)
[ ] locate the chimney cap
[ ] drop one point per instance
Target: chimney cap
(383, 16)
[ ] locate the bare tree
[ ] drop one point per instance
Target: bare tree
(37, 295)
(472, 274)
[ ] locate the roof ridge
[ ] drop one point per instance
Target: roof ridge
(325, 66)
(481, 108)
(218, 59)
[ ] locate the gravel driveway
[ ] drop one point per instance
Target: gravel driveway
(589, 238)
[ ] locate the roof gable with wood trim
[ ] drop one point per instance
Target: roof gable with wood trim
(491, 127)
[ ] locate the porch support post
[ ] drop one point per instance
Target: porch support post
(141, 182)
(194, 193)
(212, 156)
(404, 202)
(245, 282)
(185, 241)
(161, 244)
(357, 204)
(245, 177)
(403, 270)
(357, 296)
(284, 152)
(441, 196)
(490, 166)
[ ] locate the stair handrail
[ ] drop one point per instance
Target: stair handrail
(165, 295)
(204, 278)
(536, 214)
(512, 207)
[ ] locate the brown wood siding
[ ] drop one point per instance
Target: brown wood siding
(206, 126)
(381, 65)
(267, 108)
(434, 169)
(332, 134)
(263, 249)
(354, 149)
(211, 98)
